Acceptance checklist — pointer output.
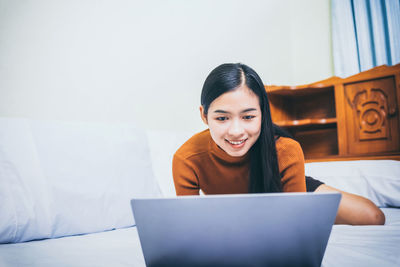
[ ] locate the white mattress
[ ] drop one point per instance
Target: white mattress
(365, 245)
(347, 246)
(112, 248)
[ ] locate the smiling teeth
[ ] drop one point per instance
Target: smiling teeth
(236, 143)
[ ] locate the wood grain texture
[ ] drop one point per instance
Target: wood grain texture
(372, 125)
(341, 118)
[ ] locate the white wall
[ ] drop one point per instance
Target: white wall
(146, 61)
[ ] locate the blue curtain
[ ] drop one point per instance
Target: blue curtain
(365, 34)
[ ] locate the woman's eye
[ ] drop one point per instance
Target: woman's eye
(221, 118)
(248, 117)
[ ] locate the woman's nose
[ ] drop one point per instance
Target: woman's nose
(236, 128)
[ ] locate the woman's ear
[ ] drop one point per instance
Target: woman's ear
(203, 116)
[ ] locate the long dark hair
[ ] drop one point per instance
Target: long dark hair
(264, 169)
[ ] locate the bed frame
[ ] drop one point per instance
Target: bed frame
(343, 118)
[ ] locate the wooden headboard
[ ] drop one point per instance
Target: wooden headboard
(343, 118)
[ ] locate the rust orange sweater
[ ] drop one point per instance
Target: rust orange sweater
(199, 164)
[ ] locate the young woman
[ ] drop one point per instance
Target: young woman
(244, 152)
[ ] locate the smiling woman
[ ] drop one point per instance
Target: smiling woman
(244, 152)
(240, 151)
(234, 119)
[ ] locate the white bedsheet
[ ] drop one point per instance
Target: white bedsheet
(347, 246)
(365, 245)
(115, 248)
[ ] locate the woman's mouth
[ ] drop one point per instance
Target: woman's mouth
(236, 143)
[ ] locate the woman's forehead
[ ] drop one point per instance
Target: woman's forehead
(239, 99)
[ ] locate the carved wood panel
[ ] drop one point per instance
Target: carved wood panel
(372, 116)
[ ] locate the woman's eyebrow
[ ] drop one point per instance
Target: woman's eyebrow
(221, 111)
(227, 112)
(248, 109)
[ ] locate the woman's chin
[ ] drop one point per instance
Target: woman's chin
(239, 153)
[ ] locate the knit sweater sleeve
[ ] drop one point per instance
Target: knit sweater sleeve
(185, 178)
(291, 165)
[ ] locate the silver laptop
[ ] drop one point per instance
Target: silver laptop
(278, 229)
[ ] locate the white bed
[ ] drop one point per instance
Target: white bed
(348, 246)
(69, 185)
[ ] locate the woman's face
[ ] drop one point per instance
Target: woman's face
(234, 119)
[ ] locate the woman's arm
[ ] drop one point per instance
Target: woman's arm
(291, 165)
(354, 209)
(185, 179)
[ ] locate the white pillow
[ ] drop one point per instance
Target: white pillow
(163, 145)
(377, 180)
(59, 178)
(23, 190)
